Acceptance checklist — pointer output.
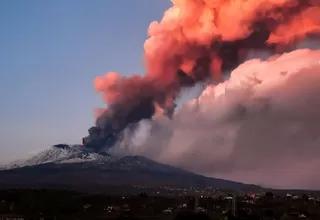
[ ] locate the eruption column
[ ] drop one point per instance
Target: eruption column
(198, 40)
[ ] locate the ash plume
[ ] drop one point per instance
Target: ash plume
(198, 40)
(261, 126)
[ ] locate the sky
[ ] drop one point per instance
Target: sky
(50, 53)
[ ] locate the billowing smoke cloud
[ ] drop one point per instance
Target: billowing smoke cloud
(197, 40)
(260, 126)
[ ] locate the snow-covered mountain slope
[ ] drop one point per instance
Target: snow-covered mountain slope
(82, 158)
(60, 153)
(76, 167)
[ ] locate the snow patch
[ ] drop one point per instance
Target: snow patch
(58, 154)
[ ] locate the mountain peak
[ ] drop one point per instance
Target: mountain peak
(60, 153)
(61, 146)
(76, 167)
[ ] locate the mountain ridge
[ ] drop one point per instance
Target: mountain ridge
(75, 167)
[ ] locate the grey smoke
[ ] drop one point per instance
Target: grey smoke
(261, 126)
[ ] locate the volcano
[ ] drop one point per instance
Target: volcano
(72, 167)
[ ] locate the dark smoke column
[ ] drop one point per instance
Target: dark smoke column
(132, 109)
(109, 126)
